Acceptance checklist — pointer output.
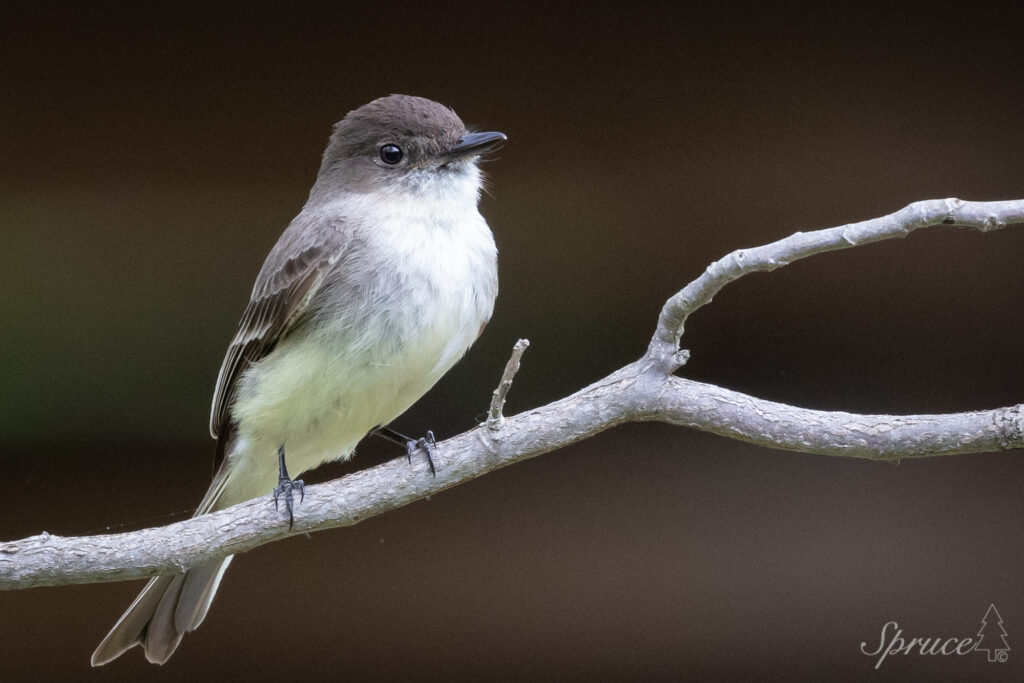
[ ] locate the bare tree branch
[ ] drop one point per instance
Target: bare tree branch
(984, 216)
(645, 390)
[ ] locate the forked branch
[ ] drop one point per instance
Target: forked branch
(645, 390)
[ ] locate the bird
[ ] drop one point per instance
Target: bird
(383, 280)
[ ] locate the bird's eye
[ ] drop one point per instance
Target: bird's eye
(391, 154)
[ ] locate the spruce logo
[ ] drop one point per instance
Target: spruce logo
(992, 636)
(991, 640)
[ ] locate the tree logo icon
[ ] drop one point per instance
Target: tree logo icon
(993, 636)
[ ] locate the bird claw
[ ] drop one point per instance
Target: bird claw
(427, 443)
(286, 487)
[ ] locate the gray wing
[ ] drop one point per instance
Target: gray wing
(291, 275)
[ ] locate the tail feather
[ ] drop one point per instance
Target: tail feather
(197, 593)
(130, 629)
(171, 606)
(161, 637)
(166, 609)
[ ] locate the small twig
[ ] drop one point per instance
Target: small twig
(495, 420)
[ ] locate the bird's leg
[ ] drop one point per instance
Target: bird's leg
(427, 443)
(285, 486)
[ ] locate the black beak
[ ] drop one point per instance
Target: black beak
(473, 144)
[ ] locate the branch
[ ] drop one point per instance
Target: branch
(645, 390)
(983, 216)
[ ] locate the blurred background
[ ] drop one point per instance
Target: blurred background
(150, 158)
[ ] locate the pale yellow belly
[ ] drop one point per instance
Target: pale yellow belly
(319, 396)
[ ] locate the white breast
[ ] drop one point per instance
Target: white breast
(319, 393)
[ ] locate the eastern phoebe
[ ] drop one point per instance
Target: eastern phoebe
(378, 286)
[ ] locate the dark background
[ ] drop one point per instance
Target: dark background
(149, 161)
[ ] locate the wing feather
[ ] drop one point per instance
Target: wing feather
(291, 275)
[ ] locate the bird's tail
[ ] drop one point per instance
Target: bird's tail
(170, 606)
(166, 609)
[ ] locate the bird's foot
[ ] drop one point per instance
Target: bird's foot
(427, 443)
(286, 486)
